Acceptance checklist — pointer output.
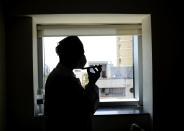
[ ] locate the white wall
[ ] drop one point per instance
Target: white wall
(147, 65)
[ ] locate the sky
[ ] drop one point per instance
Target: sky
(97, 48)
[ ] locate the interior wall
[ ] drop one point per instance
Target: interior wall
(121, 122)
(19, 109)
(167, 51)
(2, 71)
(77, 6)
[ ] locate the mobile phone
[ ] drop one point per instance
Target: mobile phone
(91, 67)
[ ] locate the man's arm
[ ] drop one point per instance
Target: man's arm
(92, 95)
(92, 90)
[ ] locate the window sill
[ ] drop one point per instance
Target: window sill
(116, 110)
(120, 110)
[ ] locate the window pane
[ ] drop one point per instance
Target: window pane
(114, 53)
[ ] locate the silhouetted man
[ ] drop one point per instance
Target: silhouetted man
(69, 106)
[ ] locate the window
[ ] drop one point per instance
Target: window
(118, 48)
(117, 78)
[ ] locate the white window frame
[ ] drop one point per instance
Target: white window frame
(143, 70)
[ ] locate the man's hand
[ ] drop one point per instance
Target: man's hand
(95, 75)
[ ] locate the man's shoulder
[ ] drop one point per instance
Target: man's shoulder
(61, 75)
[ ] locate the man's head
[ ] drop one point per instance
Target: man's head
(71, 52)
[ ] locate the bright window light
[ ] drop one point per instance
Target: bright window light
(114, 53)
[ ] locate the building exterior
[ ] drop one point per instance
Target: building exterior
(124, 50)
(116, 81)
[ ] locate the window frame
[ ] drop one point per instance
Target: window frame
(144, 19)
(137, 81)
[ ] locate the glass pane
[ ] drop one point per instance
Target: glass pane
(114, 53)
